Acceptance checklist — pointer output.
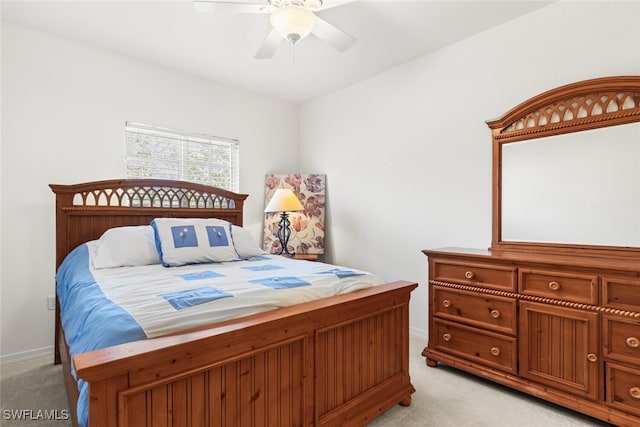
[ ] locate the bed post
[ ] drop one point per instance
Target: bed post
(62, 199)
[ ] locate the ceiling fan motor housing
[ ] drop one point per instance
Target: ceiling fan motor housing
(293, 21)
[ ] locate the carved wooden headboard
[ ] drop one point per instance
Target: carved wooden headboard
(84, 211)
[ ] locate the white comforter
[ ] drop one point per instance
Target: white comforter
(164, 300)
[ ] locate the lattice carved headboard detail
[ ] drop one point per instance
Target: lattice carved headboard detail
(84, 211)
(157, 197)
(579, 106)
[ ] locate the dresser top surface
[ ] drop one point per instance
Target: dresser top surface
(631, 265)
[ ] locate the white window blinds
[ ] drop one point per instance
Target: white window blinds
(153, 152)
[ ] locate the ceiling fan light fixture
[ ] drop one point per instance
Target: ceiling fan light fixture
(293, 22)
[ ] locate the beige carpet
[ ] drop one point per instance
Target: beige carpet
(444, 397)
(33, 385)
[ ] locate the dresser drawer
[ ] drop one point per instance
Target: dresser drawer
(491, 312)
(621, 293)
(490, 349)
(622, 339)
(475, 274)
(559, 285)
(623, 388)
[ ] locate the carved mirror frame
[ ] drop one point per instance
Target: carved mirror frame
(576, 107)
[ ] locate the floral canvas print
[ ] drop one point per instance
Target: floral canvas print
(307, 227)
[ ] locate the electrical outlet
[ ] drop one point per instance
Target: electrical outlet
(51, 303)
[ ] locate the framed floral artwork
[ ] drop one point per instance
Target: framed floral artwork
(307, 227)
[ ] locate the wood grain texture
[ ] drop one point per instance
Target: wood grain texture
(577, 306)
(338, 361)
(582, 355)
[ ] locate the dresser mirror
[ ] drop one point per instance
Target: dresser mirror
(566, 171)
(579, 188)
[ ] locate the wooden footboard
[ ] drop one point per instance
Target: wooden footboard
(338, 361)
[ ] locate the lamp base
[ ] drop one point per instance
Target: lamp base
(284, 232)
(286, 253)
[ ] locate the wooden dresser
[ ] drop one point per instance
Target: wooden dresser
(563, 328)
(553, 307)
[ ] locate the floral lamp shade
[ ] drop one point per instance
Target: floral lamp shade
(307, 226)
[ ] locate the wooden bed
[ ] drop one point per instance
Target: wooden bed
(337, 361)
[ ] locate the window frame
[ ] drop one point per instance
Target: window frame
(187, 146)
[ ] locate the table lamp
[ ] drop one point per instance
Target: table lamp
(284, 200)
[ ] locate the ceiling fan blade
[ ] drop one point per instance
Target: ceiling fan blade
(269, 46)
(229, 6)
(332, 35)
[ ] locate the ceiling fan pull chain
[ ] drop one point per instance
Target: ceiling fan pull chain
(292, 52)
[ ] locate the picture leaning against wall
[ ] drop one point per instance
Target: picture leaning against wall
(307, 227)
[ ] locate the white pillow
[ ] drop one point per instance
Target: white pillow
(126, 247)
(182, 241)
(246, 246)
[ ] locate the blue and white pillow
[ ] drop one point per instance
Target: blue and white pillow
(182, 241)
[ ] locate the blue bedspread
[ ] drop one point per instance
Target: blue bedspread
(84, 307)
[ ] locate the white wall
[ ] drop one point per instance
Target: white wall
(407, 153)
(64, 106)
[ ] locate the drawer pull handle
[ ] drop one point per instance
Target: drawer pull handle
(554, 286)
(446, 337)
(592, 357)
(468, 274)
(633, 342)
(495, 314)
(495, 351)
(446, 303)
(635, 392)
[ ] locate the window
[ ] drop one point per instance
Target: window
(153, 152)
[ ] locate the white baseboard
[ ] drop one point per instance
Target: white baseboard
(27, 355)
(418, 333)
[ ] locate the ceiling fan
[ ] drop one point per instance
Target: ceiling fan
(292, 20)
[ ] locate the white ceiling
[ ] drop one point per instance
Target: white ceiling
(221, 47)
